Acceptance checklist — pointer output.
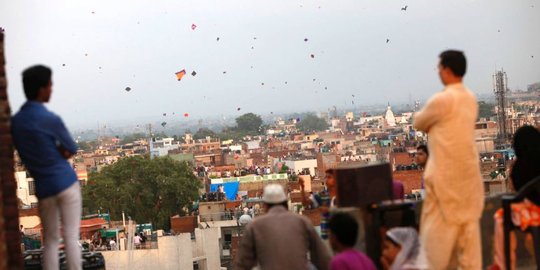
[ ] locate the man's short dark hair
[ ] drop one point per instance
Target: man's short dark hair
(423, 147)
(455, 61)
(345, 228)
(35, 78)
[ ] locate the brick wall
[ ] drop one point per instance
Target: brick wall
(411, 179)
(184, 224)
(10, 239)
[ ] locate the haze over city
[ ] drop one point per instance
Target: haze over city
(256, 56)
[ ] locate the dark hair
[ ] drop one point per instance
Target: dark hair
(526, 144)
(344, 227)
(35, 78)
(423, 147)
(455, 61)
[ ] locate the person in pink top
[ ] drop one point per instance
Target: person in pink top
(343, 234)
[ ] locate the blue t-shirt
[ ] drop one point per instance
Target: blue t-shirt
(37, 134)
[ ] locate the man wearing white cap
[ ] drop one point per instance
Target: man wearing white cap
(280, 239)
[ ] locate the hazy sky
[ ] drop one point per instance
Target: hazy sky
(109, 45)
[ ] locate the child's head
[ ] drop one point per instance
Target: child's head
(390, 249)
(343, 231)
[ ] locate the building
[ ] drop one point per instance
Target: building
(299, 165)
(26, 189)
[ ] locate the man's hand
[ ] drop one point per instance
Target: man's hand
(64, 153)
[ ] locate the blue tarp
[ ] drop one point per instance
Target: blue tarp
(230, 188)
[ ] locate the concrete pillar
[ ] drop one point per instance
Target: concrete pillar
(211, 248)
(185, 252)
(175, 252)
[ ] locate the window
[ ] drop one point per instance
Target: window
(32, 187)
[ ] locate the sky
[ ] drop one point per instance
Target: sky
(261, 63)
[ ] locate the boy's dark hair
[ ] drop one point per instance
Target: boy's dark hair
(455, 61)
(345, 228)
(34, 78)
(423, 147)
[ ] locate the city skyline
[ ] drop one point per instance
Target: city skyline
(309, 56)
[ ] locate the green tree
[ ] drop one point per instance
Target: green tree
(312, 123)
(132, 137)
(202, 133)
(249, 123)
(86, 145)
(148, 190)
(485, 110)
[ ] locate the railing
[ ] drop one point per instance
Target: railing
(224, 216)
(251, 178)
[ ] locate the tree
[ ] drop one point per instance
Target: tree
(312, 123)
(485, 110)
(147, 190)
(86, 145)
(202, 133)
(249, 123)
(132, 137)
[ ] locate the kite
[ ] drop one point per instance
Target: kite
(224, 72)
(63, 65)
(186, 114)
(387, 40)
(305, 39)
(312, 56)
(180, 74)
(164, 114)
(252, 47)
(238, 108)
(128, 89)
(193, 26)
(404, 8)
(325, 88)
(163, 124)
(285, 82)
(262, 83)
(193, 73)
(217, 39)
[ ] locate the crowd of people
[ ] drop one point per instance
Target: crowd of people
(449, 235)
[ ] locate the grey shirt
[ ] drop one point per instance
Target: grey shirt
(281, 240)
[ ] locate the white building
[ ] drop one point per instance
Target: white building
(160, 148)
(26, 189)
(301, 165)
(389, 117)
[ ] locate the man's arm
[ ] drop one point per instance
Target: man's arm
(435, 109)
(246, 257)
(319, 254)
(66, 145)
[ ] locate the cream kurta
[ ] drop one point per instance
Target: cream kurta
(452, 176)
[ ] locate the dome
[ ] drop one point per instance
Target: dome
(389, 117)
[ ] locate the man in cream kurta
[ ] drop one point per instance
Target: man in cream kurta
(449, 227)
